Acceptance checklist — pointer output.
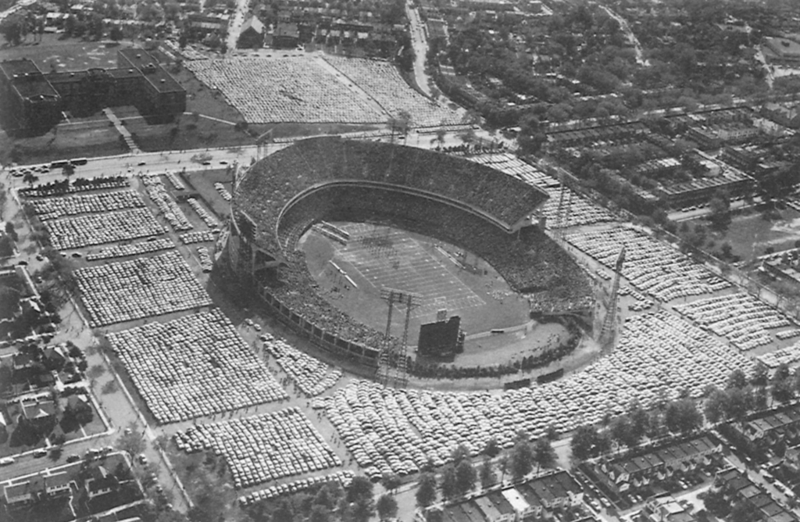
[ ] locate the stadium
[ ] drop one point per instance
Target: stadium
(483, 211)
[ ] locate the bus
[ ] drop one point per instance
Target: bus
(79, 161)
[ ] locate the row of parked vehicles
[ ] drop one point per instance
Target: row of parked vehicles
(45, 168)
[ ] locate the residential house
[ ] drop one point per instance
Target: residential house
(252, 34)
(100, 483)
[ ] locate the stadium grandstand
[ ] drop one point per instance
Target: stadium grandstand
(433, 194)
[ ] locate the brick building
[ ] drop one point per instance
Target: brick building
(32, 100)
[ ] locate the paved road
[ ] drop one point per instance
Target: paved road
(420, 42)
(235, 24)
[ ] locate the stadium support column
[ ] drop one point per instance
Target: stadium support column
(607, 332)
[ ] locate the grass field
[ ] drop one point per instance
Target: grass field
(203, 182)
(72, 54)
(193, 132)
(390, 258)
(397, 259)
(66, 140)
(751, 234)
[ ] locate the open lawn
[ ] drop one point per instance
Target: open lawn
(398, 259)
(65, 54)
(203, 182)
(66, 140)
(751, 234)
(192, 132)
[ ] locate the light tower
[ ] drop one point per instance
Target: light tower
(563, 210)
(607, 331)
(392, 361)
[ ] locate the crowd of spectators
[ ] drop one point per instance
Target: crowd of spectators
(97, 229)
(139, 288)
(263, 447)
(581, 211)
(650, 265)
(741, 318)
(659, 357)
(530, 261)
(273, 182)
(194, 366)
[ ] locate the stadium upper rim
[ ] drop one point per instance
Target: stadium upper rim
(276, 183)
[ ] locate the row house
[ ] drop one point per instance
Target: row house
(643, 470)
(37, 488)
(555, 490)
(783, 425)
(739, 488)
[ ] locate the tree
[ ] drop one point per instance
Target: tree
(621, 432)
(319, 513)
(543, 453)
(448, 482)
(716, 406)
(68, 170)
(360, 488)
(486, 474)
(504, 463)
(390, 481)
(737, 379)
(30, 178)
(639, 420)
(116, 33)
(459, 454)
(744, 511)
(682, 416)
(716, 504)
(132, 441)
(760, 375)
(387, 507)
(426, 491)
(521, 458)
(738, 404)
(400, 123)
(12, 30)
(465, 477)
(492, 448)
(584, 442)
(782, 389)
